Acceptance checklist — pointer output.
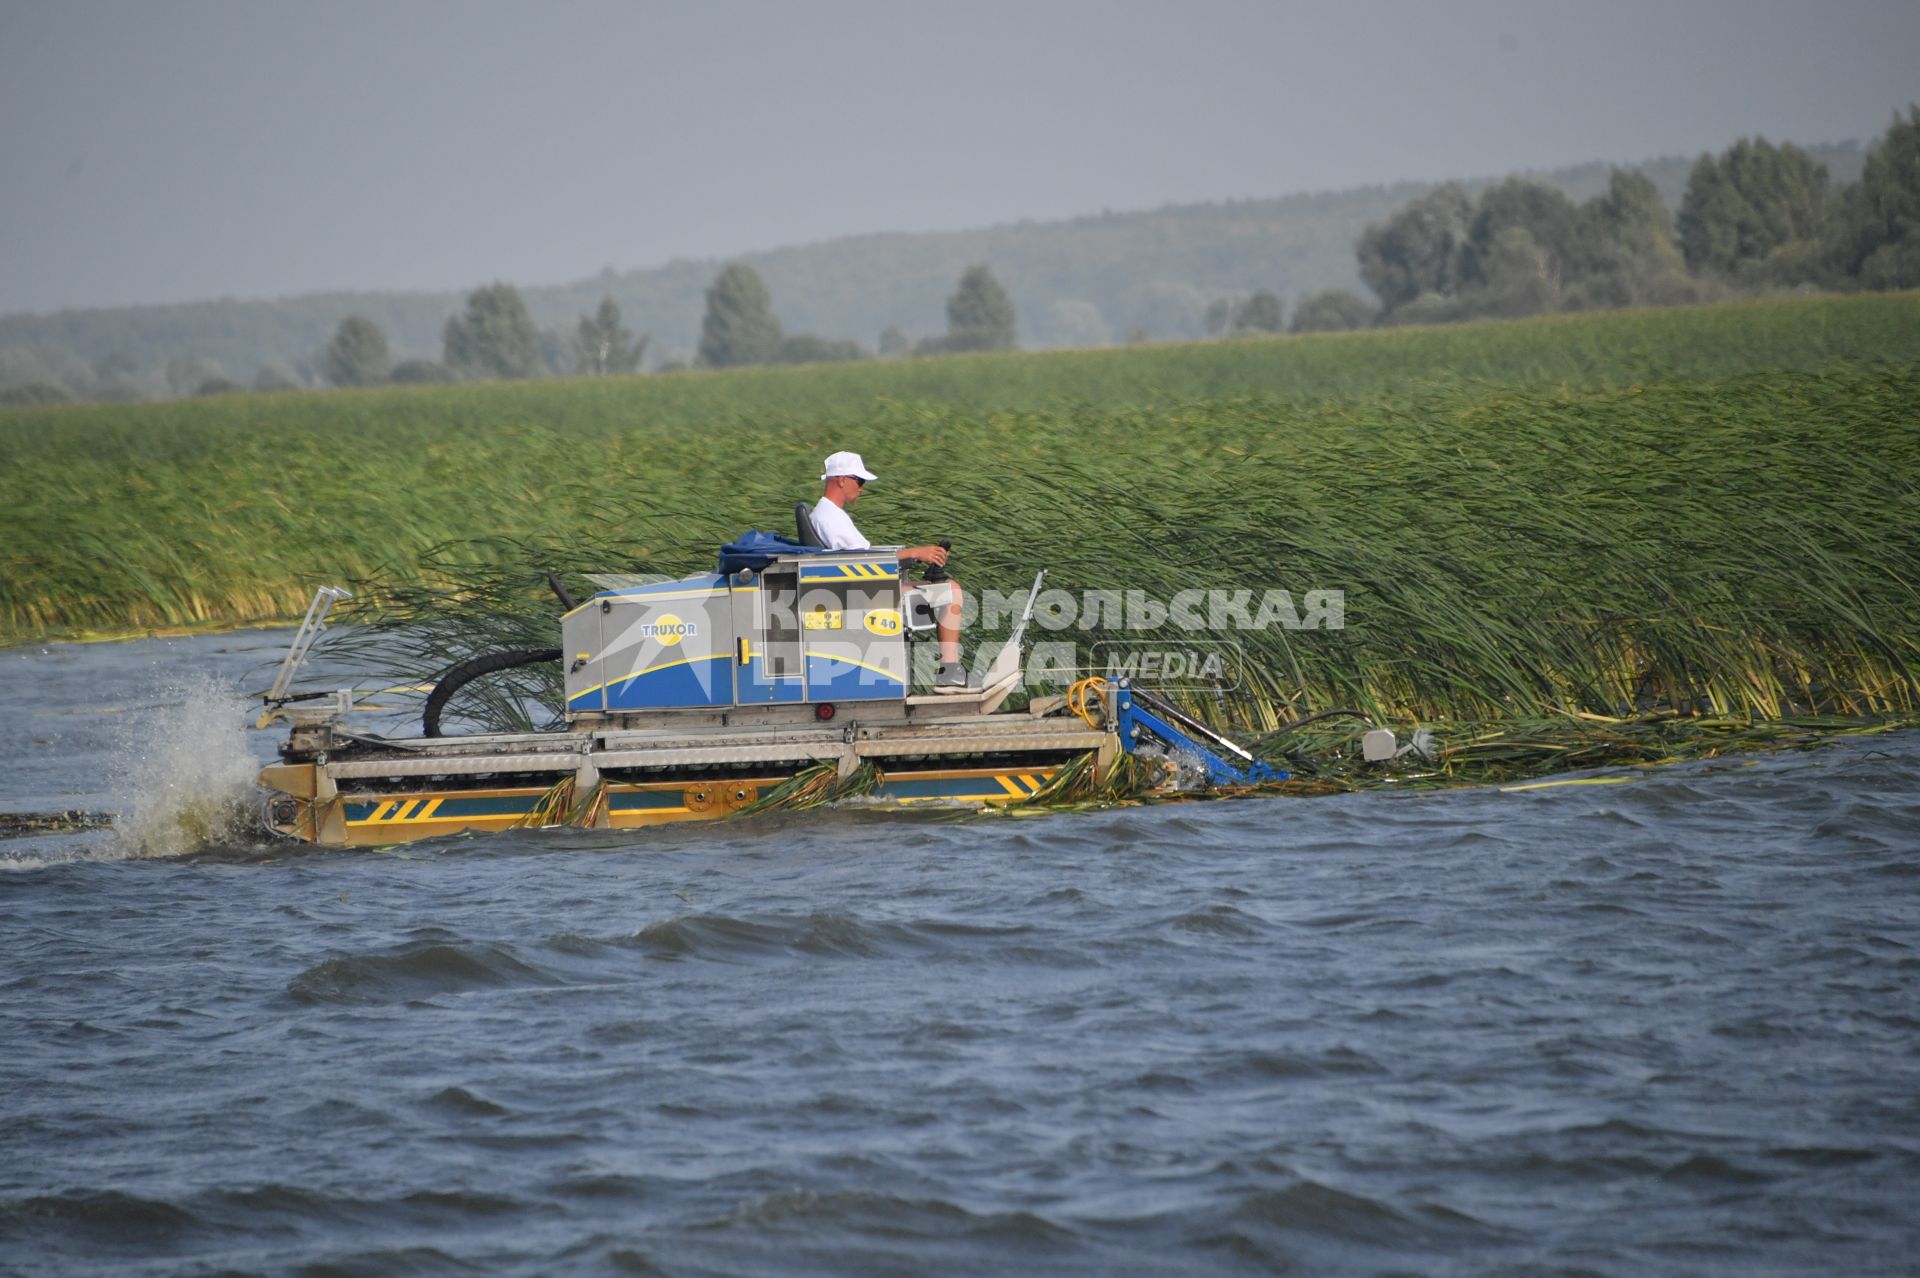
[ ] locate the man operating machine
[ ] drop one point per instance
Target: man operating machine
(845, 476)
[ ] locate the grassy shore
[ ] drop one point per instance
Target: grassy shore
(1713, 509)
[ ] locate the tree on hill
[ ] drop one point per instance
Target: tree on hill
(1418, 250)
(559, 350)
(605, 345)
(357, 355)
(1516, 276)
(894, 341)
(1626, 252)
(1754, 202)
(1261, 314)
(979, 314)
(1549, 218)
(739, 327)
(1877, 233)
(494, 336)
(1330, 311)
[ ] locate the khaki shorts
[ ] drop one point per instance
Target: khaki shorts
(934, 596)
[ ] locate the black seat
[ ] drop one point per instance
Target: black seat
(803, 525)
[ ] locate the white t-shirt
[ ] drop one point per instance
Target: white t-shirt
(836, 528)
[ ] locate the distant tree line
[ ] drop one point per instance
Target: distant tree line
(493, 336)
(1753, 218)
(1521, 249)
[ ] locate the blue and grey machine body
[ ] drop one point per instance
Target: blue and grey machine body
(804, 628)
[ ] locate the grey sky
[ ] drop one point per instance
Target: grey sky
(159, 151)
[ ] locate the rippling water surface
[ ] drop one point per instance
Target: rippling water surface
(1663, 1025)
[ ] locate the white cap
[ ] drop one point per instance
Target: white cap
(846, 464)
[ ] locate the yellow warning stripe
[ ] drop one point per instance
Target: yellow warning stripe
(422, 810)
(860, 571)
(408, 811)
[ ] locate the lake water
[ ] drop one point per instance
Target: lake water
(1667, 1025)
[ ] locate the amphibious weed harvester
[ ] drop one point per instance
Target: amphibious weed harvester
(786, 675)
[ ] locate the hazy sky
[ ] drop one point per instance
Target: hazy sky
(165, 151)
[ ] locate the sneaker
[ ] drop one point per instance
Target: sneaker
(952, 678)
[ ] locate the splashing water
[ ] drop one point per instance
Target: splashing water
(187, 775)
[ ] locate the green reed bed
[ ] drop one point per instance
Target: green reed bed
(225, 509)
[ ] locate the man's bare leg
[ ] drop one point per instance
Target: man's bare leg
(948, 628)
(953, 676)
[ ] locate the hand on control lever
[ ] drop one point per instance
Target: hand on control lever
(935, 556)
(937, 571)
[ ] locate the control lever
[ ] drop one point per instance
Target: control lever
(938, 572)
